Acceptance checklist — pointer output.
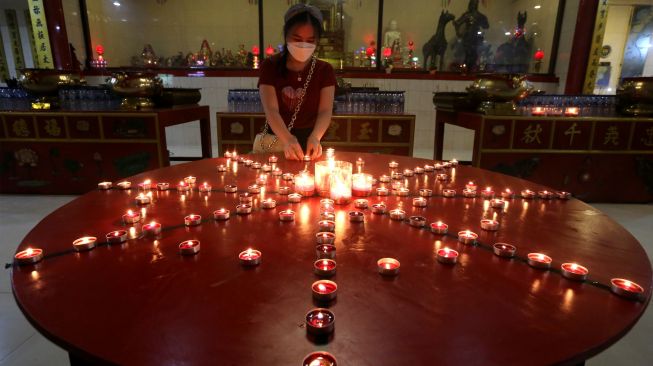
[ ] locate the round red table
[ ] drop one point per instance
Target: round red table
(143, 303)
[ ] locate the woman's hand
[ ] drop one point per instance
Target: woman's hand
(292, 150)
(313, 147)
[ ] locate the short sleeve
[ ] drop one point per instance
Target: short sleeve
(328, 76)
(267, 75)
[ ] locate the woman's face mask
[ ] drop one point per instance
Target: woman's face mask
(301, 51)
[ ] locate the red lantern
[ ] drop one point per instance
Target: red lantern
(411, 45)
(99, 49)
(387, 52)
(269, 51)
(369, 51)
(539, 55)
(255, 50)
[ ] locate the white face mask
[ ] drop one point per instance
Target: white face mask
(301, 51)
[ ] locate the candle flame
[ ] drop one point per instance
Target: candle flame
(147, 181)
(540, 257)
(321, 287)
(574, 266)
(29, 251)
(446, 251)
(627, 283)
(508, 190)
(130, 212)
(488, 189)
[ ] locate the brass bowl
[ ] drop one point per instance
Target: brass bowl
(41, 82)
(136, 88)
(499, 88)
(635, 96)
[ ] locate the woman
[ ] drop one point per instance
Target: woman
(283, 77)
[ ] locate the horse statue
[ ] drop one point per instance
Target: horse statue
(437, 45)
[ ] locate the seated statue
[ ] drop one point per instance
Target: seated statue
(392, 35)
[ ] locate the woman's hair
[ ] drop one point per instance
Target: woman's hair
(301, 18)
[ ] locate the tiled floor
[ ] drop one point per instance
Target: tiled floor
(21, 345)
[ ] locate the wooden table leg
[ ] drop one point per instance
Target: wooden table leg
(205, 135)
(439, 140)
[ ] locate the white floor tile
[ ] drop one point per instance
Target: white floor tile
(14, 328)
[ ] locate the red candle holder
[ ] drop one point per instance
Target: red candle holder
(384, 178)
(84, 243)
(183, 187)
(327, 216)
(439, 228)
(468, 193)
(116, 237)
(205, 187)
(153, 228)
(447, 256)
(245, 198)
(527, 194)
(504, 250)
(189, 247)
(221, 214)
(230, 188)
(142, 199)
(325, 237)
(256, 165)
(489, 225)
(419, 202)
(192, 220)
(250, 257)
(124, 185)
(388, 266)
(572, 111)
(362, 184)
(104, 185)
(28, 256)
(244, 209)
(284, 190)
(287, 215)
(467, 237)
(361, 203)
(190, 180)
(417, 221)
(574, 271)
(487, 193)
(442, 176)
(163, 186)
(497, 203)
(425, 192)
(327, 225)
(222, 168)
(379, 208)
(254, 189)
(626, 288)
(382, 191)
(324, 267)
(324, 290)
(356, 216)
(539, 260)
(538, 111)
(409, 173)
(507, 193)
(327, 203)
(320, 322)
(471, 186)
(397, 214)
(563, 195)
(545, 195)
(305, 184)
(131, 217)
(393, 165)
(402, 192)
(429, 168)
(294, 198)
(268, 204)
(448, 193)
(325, 251)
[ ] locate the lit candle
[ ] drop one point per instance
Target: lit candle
(325, 237)
(256, 165)
(248, 162)
(330, 153)
(325, 251)
(254, 189)
(356, 216)
(262, 179)
(504, 250)
(307, 158)
(287, 176)
(320, 322)
(397, 214)
(497, 203)
(228, 155)
(439, 228)
(319, 358)
(272, 159)
(276, 172)
(104, 185)
(266, 168)
(424, 192)
(326, 202)
(142, 199)
(545, 195)
(234, 155)
(417, 221)
(146, 185)
(507, 193)
(230, 188)
(245, 198)
(287, 215)
(305, 184)
(382, 191)
(574, 271)
(419, 202)
(284, 190)
(467, 237)
(324, 267)
(429, 168)
(489, 225)
(527, 193)
(124, 185)
(539, 260)
(393, 165)
(116, 237)
(324, 290)
(361, 203)
(28, 256)
(221, 214)
(447, 256)
(397, 175)
(84, 243)
(419, 170)
(449, 193)
(384, 178)
(453, 162)
(163, 186)
(268, 203)
(327, 216)
(360, 162)
(327, 225)
(192, 220)
(538, 111)
(362, 184)
(189, 247)
(190, 180)
(250, 257)
(626, 288)
(378, 208)
(572, 111)
(294, 198)
(402, 191)
(153, 228)
(409, 173)
(388, 266)
(487, 193)
(222, 168)
(131, 217)
(471, 186)
(340, 191)
(468, 193)
(244, 209)
(205, 187)
(442, 177)
(183, 187)
(563, 195)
